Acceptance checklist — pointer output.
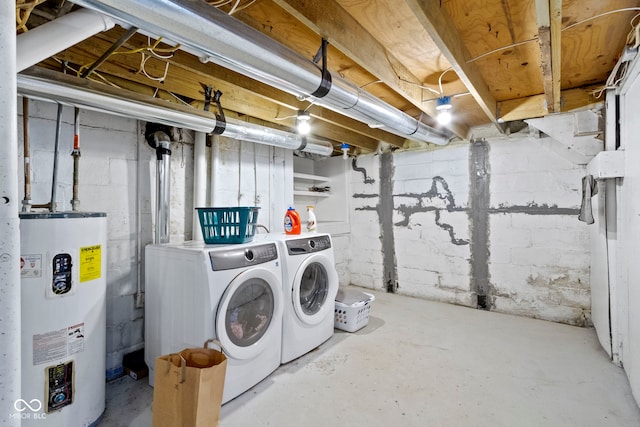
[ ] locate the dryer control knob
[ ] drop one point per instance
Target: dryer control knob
(248, 254)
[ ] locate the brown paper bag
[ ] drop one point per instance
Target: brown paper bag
(188, 388)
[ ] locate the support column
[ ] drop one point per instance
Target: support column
(9, 222)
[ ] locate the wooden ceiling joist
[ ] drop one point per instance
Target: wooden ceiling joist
(549, 16)
(443, 33)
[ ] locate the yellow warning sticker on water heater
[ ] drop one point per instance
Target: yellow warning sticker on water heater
(90, 263)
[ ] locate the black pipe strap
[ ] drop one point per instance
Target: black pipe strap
(207, 97)
(325, 83)
(161, 151)
(221, 121)
(303, 144)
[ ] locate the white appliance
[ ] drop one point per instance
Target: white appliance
(233, 293)
(63, 269)
(310, 285)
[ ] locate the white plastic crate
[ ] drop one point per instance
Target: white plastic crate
(352, 309)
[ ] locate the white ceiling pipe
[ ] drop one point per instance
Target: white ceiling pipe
(230, 43)
(55, 36)
(39, 83)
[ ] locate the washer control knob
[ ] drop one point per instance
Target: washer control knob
(248, 255)
(312, 244)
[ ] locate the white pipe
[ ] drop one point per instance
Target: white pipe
(230, 43)
(53, 86)
(163, 187)
(55, 36)
(9, 222)
(215, 167)
(199, 180)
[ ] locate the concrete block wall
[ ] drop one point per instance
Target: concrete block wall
(365, 245)
(539, 251)
(517, 248)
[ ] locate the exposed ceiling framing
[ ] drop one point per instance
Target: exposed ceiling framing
(499, 60)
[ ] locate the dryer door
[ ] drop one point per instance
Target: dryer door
(250, 313)
(314, 289)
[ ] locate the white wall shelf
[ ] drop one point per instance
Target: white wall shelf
(313, 178)
(311, 193)
(330, 206)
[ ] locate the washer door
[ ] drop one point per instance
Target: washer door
(249, 313)
(314, 289)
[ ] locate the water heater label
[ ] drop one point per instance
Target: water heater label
(30, 266)
(49, 346)
(90, 263)
(59, 387)
(75, 338)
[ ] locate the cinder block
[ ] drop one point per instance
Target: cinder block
(535, 256)
(499, 254)
(123, 172)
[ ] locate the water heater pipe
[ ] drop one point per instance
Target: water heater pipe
(56, 149)
(10, 337)
(55, 36)
(26, 202)
(75, 202)
(199, 181)
(163, 186)
(232, 44)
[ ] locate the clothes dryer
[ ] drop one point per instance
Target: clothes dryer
(233, 293)
(310, 285)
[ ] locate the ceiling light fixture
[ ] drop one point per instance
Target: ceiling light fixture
(444, 110)
(302, 122)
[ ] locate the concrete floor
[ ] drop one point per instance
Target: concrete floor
(421, 363)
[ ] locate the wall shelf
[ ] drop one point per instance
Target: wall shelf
(313, 178)
(311, 193)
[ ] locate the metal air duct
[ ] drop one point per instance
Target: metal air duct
(40, 83)
(230, 43)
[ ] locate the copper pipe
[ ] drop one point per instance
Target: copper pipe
(75, 202)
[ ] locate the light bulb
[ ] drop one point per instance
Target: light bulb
(444, 110)
(302, 123)
(444, 117)
(304, 127)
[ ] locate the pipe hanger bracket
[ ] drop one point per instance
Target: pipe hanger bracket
(221, 121)
(325, 83)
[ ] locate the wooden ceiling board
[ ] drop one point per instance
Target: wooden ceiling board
(394, 25)
(591, 49)
(488, 25)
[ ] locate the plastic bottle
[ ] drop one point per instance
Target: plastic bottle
(311, 219)
(292, 221)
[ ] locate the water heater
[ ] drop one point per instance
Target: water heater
(63, 270)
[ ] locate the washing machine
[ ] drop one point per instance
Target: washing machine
(310, 285)
(233, 293)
